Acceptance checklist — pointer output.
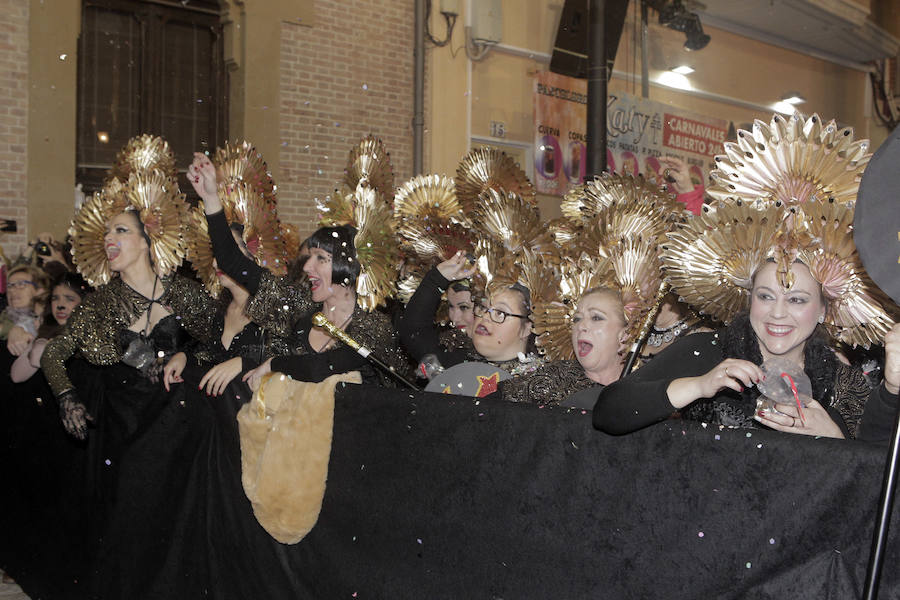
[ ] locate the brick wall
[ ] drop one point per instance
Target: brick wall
(13, 120)
(348, 76)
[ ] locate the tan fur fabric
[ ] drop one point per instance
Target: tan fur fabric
(285, 446)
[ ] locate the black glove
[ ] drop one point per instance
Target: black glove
(74, 415)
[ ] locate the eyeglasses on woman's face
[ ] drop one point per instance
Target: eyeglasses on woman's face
(19, 285)
(497, 315)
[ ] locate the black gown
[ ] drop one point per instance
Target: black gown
(241, 560)
(151, 444)
(205, 540)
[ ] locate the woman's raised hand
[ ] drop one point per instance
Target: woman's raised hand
(677, 170)
(732, 373)
(202, 175)
(456, 267)
(19, 341)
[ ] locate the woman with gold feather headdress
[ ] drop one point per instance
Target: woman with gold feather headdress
(608, 278)
(478, 211)
(239, 345)
(128, 240)
(774, 259)
(350, 272)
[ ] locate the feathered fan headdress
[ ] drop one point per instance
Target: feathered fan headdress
(364, 203)
(788, 195)
(488, 210)
(613, 226)
(154, 196)
(488, 168)
(247, 193)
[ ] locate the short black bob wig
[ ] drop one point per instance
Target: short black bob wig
(338, 241)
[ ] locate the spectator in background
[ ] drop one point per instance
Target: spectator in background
(678, 175)
(19, 322)
(66, 293)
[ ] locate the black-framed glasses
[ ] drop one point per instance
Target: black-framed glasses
(497, 315)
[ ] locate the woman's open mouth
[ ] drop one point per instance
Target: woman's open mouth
(584, 348)
(112, 251)
(482, 330)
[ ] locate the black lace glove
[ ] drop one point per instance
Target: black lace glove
(74, 415)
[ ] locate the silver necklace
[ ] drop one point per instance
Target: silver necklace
(658, 337)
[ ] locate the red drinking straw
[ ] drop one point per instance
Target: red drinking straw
(796, 397)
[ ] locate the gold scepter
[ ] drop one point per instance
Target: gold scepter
(644, 333)
(320, 320)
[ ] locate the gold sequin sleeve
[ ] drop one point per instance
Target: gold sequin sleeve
(374, 331)
(194, 308)
(89, 331)
(277, 304)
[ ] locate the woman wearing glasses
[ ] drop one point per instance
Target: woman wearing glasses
(501, 333)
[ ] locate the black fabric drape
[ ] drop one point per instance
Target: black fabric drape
(437, 497)
(433, 496)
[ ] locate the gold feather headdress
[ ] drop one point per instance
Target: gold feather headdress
(239, 162)
(431, 226)
(791, 161)
(434, 221)
(712, 260)
(613, 226)
(261, 233)
(247, 193)
(488, 168)
(785, 192)
(375, 241)
(142, 154)
(369, 165)
(159, 205)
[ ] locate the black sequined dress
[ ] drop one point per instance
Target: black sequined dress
(641, 398)
(281, 306)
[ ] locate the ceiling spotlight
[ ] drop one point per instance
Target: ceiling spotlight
(693, 29)
(675, 16)
(103, 137)
(793, 98)
(682, 70)
(670, 13)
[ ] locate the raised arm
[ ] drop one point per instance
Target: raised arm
(202, 175)
(418, 333)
